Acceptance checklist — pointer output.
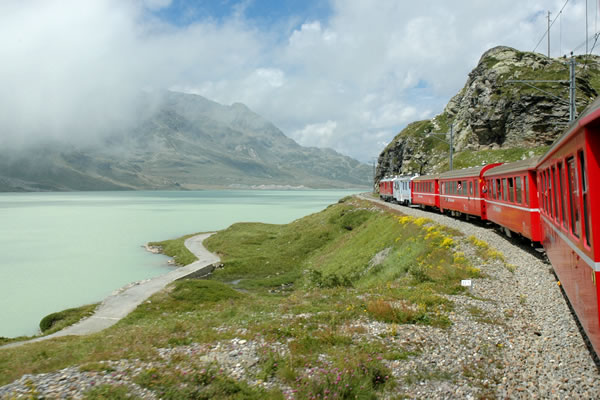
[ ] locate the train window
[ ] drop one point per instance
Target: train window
(476, 187)
(504, 189)
(548, 192)
(526, 187)
(551, 206)
(574, 196)
(470, 188)
(561, 198)
(584, 192)
(518, 197)
(544, 191)
(511, 190)
(555, 194)
(499, 189)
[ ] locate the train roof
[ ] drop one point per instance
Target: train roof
(467, 172)
(589, 115)
(522, 165)
(426, 177)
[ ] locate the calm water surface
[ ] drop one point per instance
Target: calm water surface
(62, 250)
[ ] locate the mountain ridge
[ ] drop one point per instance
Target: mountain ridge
(185, 142)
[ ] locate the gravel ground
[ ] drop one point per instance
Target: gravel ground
(512, 336)
(539, 351)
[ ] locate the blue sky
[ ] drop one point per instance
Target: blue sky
(344, 74)
(263, 13)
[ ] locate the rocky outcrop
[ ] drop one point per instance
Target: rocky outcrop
(490, 112)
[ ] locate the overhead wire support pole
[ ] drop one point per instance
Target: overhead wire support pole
(548, 34)
(451, 143)
(572, 102)
(572, 93)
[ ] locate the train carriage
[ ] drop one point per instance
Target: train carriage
(567, 178)
(461, 191)
(402, 189)
(386, 189)
(511, 198)
(425, 191)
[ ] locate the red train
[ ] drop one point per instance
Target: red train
(553, 200)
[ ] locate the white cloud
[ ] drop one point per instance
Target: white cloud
(316, 134)
(350, 81)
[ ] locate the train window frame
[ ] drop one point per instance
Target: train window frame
(586, 219)
(555, 194)
(572, 181)
(545, 191)
(518, 190)
(504, 189)
(551, 206)
(561, 185)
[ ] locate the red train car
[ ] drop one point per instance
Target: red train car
(426, 191)
(570, 217)
(461, 191)
(386, 189)
(512, 198)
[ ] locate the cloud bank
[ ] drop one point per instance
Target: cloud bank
(351, 80)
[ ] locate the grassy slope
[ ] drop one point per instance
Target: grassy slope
(320, 267)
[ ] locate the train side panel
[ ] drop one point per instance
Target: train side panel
(425, 191)
(569, 224)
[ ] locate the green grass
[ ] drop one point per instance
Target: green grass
(176, 248)
(311, 285)
(56, 321)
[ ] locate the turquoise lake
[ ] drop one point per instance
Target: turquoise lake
(63, 250)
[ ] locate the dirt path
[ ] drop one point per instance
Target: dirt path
(124, 301)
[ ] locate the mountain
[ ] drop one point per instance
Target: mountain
(185, 142)
(494, 119)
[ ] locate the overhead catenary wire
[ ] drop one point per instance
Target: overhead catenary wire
(548, 30)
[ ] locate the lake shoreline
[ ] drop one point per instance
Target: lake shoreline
(125, 299)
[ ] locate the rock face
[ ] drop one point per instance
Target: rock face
(492, 113)
(185, 142)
